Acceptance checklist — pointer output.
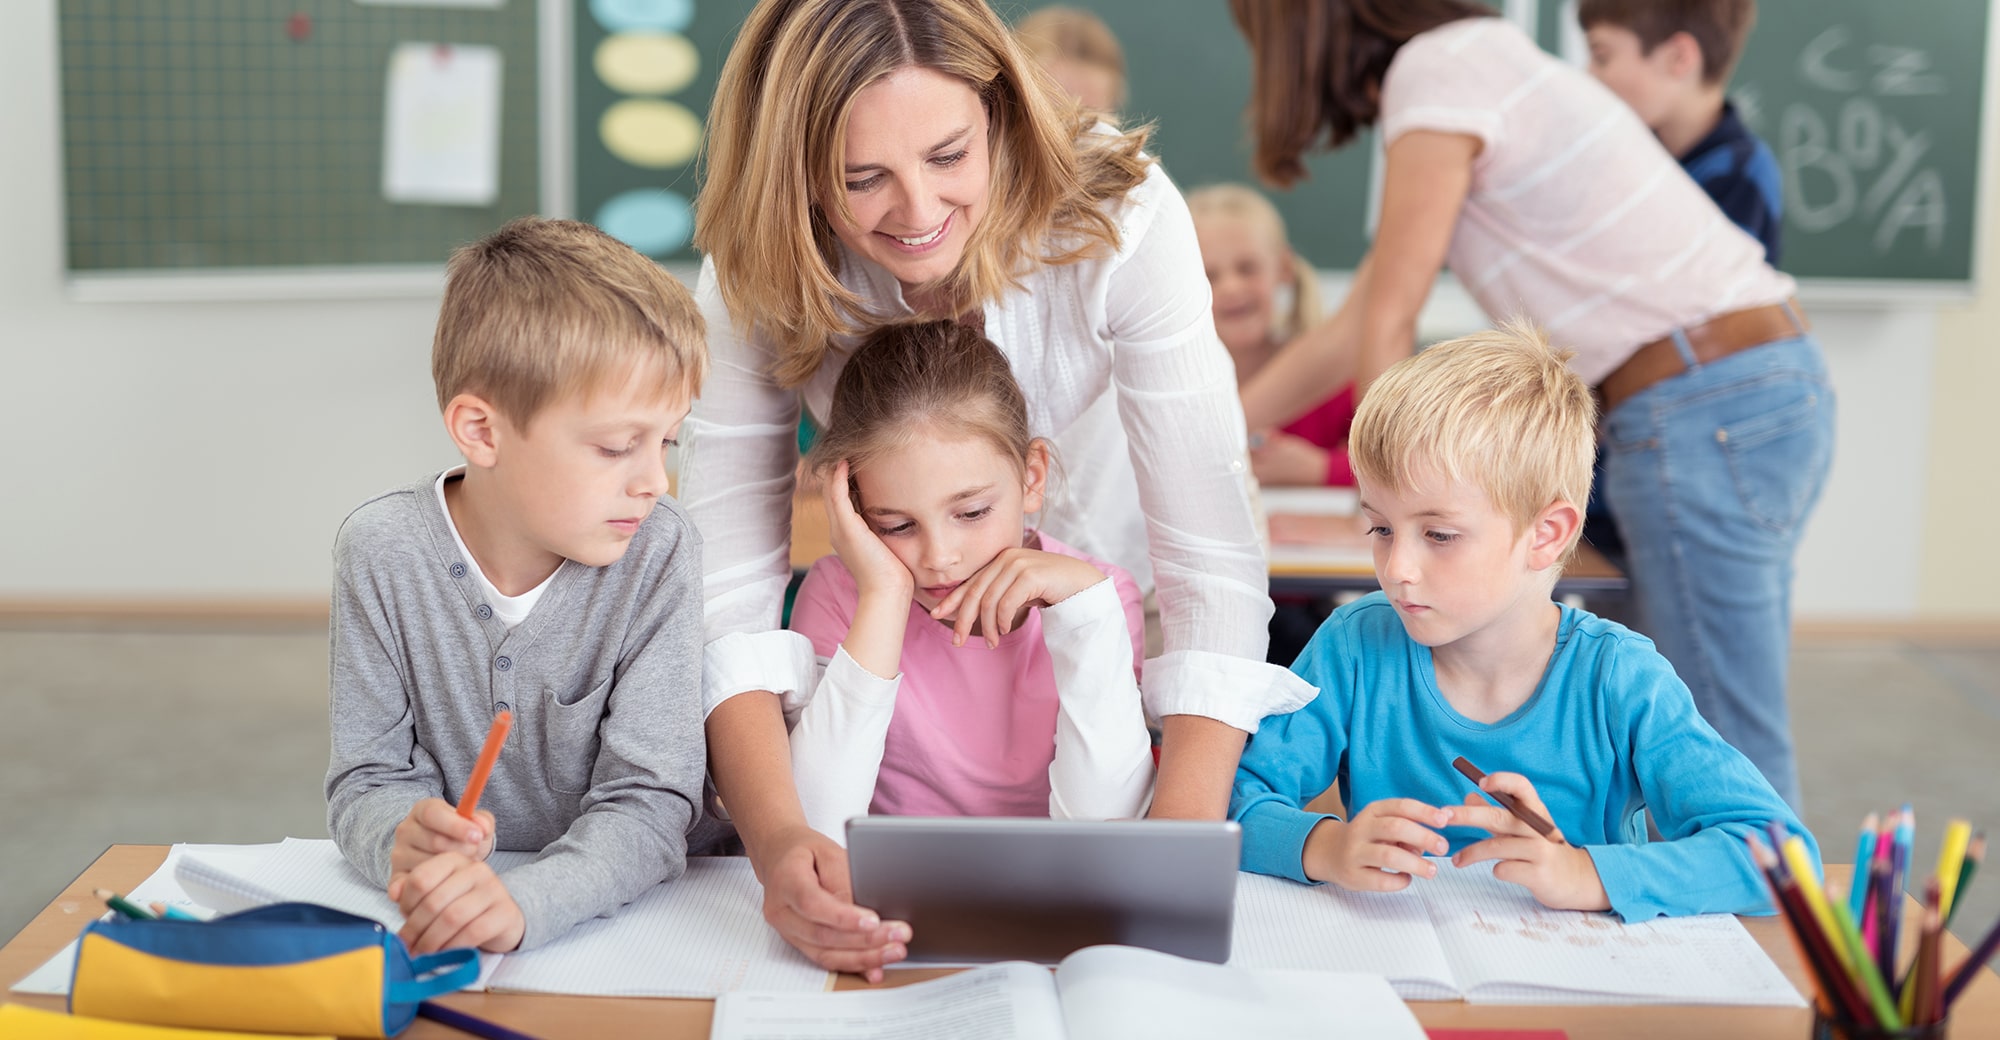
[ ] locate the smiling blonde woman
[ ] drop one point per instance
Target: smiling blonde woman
(875, 161)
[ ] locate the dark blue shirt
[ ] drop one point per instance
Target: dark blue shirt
(1739, 172)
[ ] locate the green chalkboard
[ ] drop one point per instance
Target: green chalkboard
(1873, 108)
(203, 134)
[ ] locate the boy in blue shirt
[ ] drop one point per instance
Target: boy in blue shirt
(1671, 60)
(1472, 458)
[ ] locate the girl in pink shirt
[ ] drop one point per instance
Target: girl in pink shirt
(1248, 259)
(968, 665)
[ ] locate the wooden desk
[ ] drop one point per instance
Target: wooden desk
(585, 1018)
(1590, 575)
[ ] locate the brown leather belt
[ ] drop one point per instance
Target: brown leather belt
(1712, 340)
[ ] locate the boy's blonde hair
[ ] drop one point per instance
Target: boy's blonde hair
(1059, 33)
(1242, 202)
(1499, 409)
(542, 309)
(777, 134)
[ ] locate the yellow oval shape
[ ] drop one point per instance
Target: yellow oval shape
(649, 133)
(646, 62)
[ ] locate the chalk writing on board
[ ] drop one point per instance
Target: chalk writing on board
(1848, 157)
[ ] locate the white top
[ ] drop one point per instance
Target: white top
(1107, 349)
(509, 610)
(1577, 218)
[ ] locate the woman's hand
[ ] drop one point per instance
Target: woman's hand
(1559, 875)
(877, 572)
(808, 899)
(1380, 849)
(1288, 460)
(998, 596)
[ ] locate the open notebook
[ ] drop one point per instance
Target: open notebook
(1468, 934)
(698, 936)
(1097, 993)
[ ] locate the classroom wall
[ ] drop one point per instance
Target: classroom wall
(207, 451)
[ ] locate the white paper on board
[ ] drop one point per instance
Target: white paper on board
(441, 127)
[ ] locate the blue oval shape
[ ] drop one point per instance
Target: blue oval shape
(625, 15)
(652, 221)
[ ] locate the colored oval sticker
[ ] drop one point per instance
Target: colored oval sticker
(646, 62)
(653, 222)
(650, 133)
(658, 15)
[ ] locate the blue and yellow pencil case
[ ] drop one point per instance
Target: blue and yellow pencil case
(287, 968)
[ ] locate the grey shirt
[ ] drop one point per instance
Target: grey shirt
(603, 772)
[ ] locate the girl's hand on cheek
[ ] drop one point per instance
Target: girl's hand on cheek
(876, 570)
(997, 598)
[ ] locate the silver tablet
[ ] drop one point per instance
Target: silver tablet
(981, 889)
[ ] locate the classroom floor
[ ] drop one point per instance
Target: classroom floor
(128, 735)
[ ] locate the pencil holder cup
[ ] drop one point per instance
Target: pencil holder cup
(1829, 1028)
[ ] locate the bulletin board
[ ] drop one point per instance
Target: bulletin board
(247, 135)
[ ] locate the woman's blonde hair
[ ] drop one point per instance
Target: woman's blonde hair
(1244, 203)
(1500, 410)
(776, 143)
(912, 381)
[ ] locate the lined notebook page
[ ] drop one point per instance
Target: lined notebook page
(699, 936)
(1505, 948)
(1283, 924)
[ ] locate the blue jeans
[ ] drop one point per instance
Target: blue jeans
(1711, 475)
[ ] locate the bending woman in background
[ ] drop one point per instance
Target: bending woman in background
(1550, 199)
(874, 161)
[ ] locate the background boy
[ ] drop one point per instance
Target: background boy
(549, 576)
(1671, 61)
(1472, 458)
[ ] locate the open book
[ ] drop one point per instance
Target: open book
(1098, 993)
(697, 936)
(1468, 934)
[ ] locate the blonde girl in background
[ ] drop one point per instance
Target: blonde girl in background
(970, 665)
(1251, 270)
(1079, 50)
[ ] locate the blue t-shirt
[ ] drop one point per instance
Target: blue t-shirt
(1610, 733)
(1739, 172)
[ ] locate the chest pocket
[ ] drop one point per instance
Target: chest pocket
(570, 741)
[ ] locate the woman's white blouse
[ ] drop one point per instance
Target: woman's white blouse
(1123, 373)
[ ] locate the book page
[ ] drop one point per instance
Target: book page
(700, 935)
(1286, 925)
(1505, 948)
(1125, 993)
(998, 1002)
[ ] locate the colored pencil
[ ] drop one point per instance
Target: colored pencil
(1972, 966)
(172, 913)
(1836, 994)
(465, 1023)
(1879, 997)
(1974, 853)
(1864, 854)
(124, 906)
(1924, 991)
(488, 755)
(1910, 996)
(1806, 874)
(1899, 866)
(1540, 823)
(1951, 860)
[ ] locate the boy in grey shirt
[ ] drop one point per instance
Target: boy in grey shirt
(549, 576)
